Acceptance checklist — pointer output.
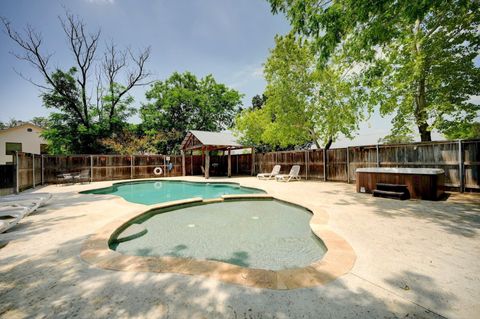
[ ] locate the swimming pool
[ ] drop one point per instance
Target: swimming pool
(262, 234)
(151, 192)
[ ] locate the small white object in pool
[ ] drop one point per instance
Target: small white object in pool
(255, 217)
(191, 225)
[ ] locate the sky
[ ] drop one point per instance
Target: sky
(229, 39)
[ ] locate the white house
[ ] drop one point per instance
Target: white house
(23, 138)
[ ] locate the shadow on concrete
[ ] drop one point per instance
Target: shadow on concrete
(58, 284)
(454, 216)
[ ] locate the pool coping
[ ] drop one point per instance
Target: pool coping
(160, 179)
(337, 261)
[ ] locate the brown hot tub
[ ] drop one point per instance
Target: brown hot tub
(422, 183)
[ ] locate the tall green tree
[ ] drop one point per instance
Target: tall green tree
(182, 103)
(418, 55)
(89, 101)
(304, 103)
(258, 101)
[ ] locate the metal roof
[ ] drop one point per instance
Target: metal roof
(225, 138)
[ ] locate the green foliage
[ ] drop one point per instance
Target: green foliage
(40, 121)
(461, 130)
(182, 103)
(258, 101)
(418, 56)
(131, 141)
(396, 139)
(305, 104)
(76, 128)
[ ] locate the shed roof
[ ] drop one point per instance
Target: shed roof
(222, 139)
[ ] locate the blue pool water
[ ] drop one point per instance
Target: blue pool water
(264, 234)
(153, 192)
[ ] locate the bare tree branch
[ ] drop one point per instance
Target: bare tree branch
(83, 46)
(30, 43)
(114, 62)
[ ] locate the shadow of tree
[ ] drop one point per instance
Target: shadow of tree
(56, 283)
(459, 218)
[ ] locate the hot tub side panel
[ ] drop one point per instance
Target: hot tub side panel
(430, 187)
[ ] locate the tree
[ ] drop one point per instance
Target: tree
(82, 119)
(396, 139)
(419, 56)
(182, 103)
(258, 101)
(40, 121)
(305, 104)
(461, 130)
(131, 141)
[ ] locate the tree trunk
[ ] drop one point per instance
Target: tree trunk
(420, 111)
(329, 143)
(425, 134)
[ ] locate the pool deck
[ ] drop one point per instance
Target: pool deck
(415, 258)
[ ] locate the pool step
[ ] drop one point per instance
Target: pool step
(395, 191)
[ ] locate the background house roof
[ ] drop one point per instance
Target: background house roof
(20, 126)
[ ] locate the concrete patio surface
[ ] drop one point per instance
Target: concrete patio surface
(415, 259)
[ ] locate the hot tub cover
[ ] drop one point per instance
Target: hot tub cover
(401, 170)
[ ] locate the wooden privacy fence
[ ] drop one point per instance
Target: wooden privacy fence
(111, 167)
(459, 159)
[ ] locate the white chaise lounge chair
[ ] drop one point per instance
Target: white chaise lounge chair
(275, 171)
(10, 216)
(29, 205)
(30, 202)
(40, 198)
(294, 171)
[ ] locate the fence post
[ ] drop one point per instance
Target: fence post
(378, 155)
(348, 166)
(131, 166)
(253, 161)
(460, 166)
(306, 164)
(42, 168)
(91, 168)
(184, 169)
(17, 188)
(33, 170)
(324, 165)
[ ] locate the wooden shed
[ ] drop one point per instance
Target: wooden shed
(208, 142)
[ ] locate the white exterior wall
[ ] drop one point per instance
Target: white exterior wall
(30, 140)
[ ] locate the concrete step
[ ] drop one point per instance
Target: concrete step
(392, 187)
(390, 194)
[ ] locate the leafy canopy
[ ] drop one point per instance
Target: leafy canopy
(304, 103)
(182, 103)
(418, 56)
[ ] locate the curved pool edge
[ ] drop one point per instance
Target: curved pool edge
(337, 261)
(164, 179)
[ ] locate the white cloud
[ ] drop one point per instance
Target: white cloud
(244, 76)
